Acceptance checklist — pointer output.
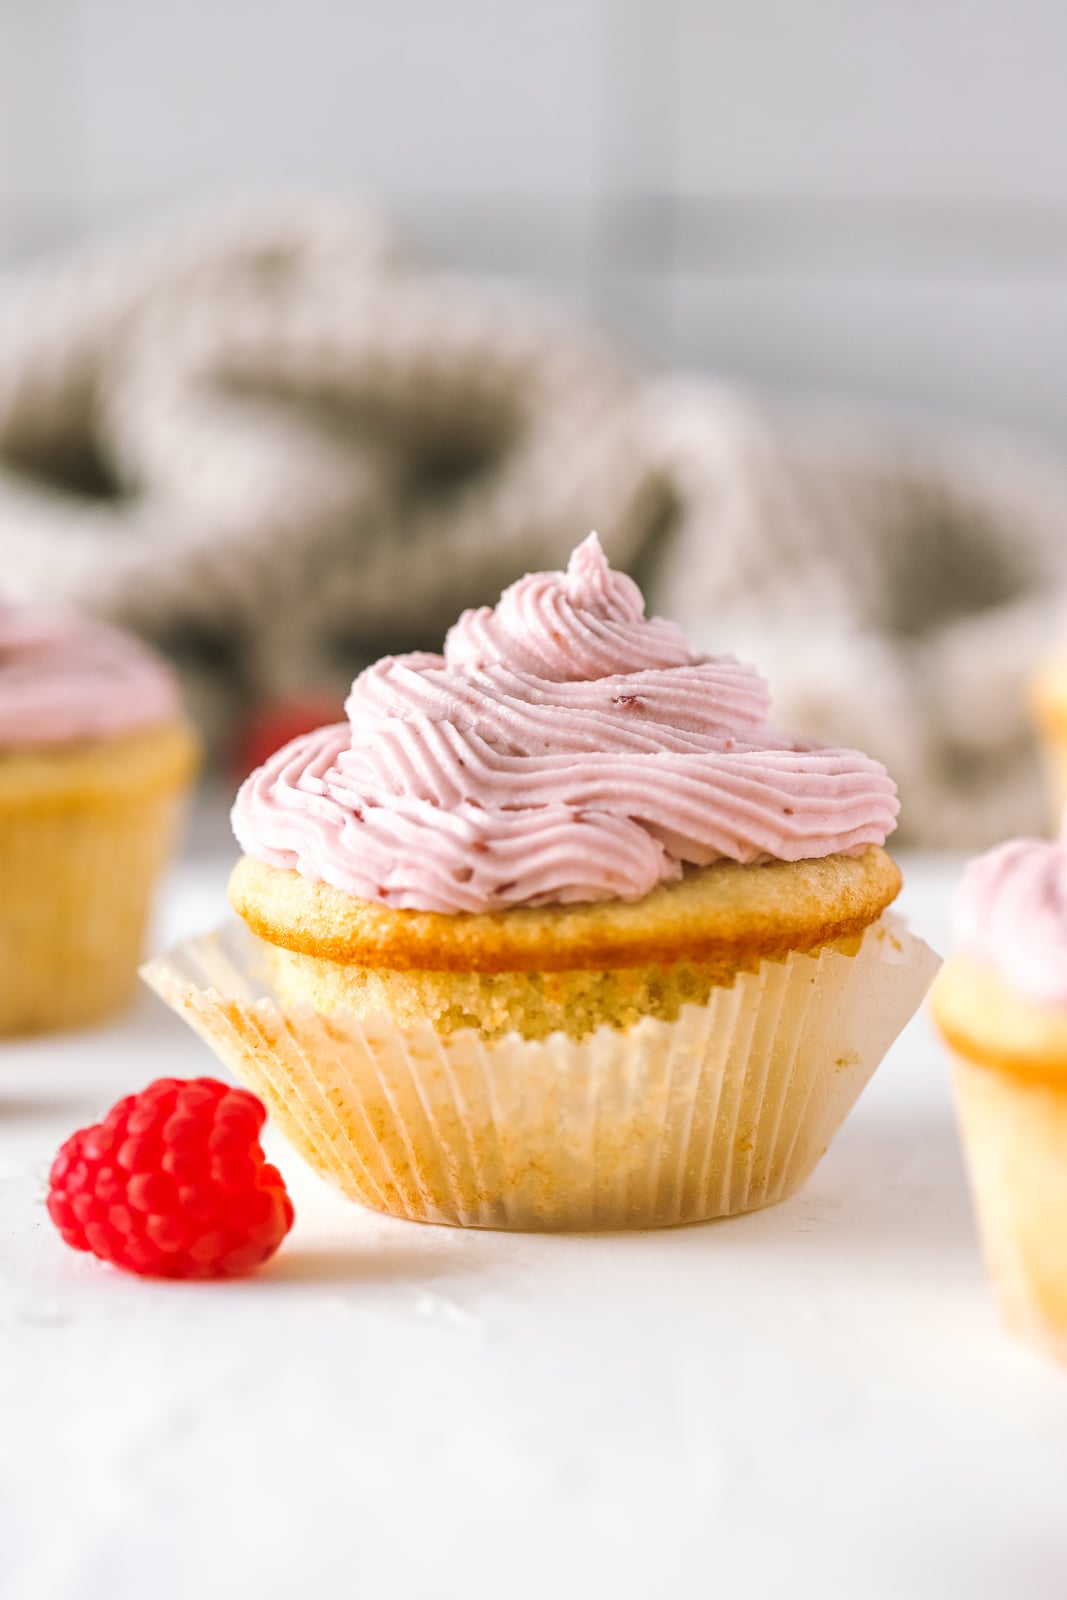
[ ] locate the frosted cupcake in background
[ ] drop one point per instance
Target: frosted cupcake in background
(1048, 710)
(1001, 1005)
(94, 758)
(557, 931)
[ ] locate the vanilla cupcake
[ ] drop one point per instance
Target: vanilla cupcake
(1048, 709)
(557, 931)
(1001, 1005)
(94, 757)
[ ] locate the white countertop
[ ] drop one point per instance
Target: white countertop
(814, 1400)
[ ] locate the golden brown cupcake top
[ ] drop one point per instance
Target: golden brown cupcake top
(729, 912)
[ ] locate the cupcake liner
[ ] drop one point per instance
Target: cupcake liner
(724, 1110)
(1015, 1141)
(77, 884)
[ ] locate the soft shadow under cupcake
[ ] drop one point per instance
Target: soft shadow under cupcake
(367, 1262)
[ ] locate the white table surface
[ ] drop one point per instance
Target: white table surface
(814, 1400)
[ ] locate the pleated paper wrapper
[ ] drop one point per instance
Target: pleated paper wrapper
(76, 885)
(726, 1109)
(1015, 1141)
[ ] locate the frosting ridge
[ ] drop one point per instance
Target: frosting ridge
(563, 748)
(65, 678)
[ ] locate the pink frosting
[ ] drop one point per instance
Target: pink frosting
(1011, 915)
(564, 748)
(65, 679)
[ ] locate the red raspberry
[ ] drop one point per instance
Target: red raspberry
(173, 1184)
(273, 723)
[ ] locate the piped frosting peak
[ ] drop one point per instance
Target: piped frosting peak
(563, 748)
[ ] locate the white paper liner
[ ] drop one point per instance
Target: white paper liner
(75, 889)
(1015, 1140)
(724, 1110)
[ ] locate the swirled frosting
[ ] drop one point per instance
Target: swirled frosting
(563, 748)
(1011, 915)
(65, 679)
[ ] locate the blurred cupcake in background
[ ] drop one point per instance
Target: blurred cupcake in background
(95, 756)
(557, 930)
(1048, 710)
(1000, 1003)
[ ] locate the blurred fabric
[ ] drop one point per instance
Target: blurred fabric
(274, 443)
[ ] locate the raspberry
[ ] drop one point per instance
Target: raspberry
(270, 725)
(173, 1184)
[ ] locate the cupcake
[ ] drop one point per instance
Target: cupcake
(94, 757)
(1048, 710)
(556, 930)
(1000, 1003)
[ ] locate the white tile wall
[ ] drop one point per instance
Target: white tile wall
(942, 99)
(851, 195)
(991, 348)
(409, 97)
(38, 124)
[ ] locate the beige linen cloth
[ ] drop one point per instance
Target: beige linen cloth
(268, 439)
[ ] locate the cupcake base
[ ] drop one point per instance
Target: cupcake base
(84, 835)
(1015, 1141)
(727, 1109)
